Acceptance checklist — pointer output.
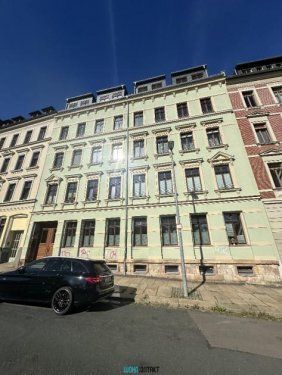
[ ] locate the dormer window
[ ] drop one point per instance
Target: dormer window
(182, 79)
(142, 89)
(72, 105)
(156, 86)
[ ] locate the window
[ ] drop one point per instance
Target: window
(142, 89)
(117, 153)
(140, 231)
(34, 159)
(19, 162)
(114, 187)
(80, 131)
(138, 148)
(139, 187)
(162, 145)
(181, 80)
(277, 91)
(245, 270)
(10, 192)
(206, 270)
(51, 194)
(76, 158)
(27, 137)
(2, 141)
(197, 76)
(84, 102)
(118, 121)
(96, 156)
(138, 118)
(171, 268)
(139, 268)
(5, 165)
(206, 105)
(42, 133)
(165, 183)
(214, 138)
(193, 179)
(87, 233)
(71, 192)
(223, 177)
(249, 99)
(26, 190)
(64, 133)
(157, 85)
(70, 229)
(182, 110)
(234, 228)
(14, 140)
(159, 114)
(168, 228)
(92, 190)
(187, 142)
(58, 160)
(276, 173)
(99, 125)
(262, 133)
(113, 226)
(200, 230)
(73, 105)
(2, 225)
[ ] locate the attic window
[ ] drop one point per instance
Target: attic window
(245, 270)
(156, 86)
(140, 268)
(142, 89)
(182, 79)
(197, 76)
(72, 105)
(206, 270)
(171, 268)
(84, 102)
(113, 267)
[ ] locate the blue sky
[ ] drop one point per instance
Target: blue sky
(51, 50)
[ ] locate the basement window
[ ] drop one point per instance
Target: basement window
(245, 270)
(206, 270)
(113, 267)
(171, 268)
(140, 268)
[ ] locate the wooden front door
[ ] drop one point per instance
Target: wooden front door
(46, 243)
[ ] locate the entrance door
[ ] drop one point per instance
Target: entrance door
(46, 243)
(16, 237)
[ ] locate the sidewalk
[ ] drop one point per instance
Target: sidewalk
(243, 299)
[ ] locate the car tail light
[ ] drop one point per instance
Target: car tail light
(93, 280)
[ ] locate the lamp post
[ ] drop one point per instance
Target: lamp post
(178, 224)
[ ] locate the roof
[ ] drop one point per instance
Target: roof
(189, 70)
(112, 89)
(80, 97)
(149, 80)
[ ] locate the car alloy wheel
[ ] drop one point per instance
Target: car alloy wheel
(62, 300)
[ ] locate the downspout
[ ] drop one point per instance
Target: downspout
(126, 192)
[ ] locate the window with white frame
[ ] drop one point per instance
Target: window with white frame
(262, 133)
(113, 232)
(14, 140)
(19, 162)
(27, 137)
(76, 158)
(42, 133)
(70, 231)
(26, 190)
(117, 152)
(9, 192)
(64, 133)
(276, 173)
(58, 160)
(162, 145)
(165, 183)
(277, 91)
(51, 194)
(138, 118)
(96, 156)
(2, 141)
(214, 138)
(234, 228)
(223, 177)
(71, 192)
(92, 190)
(193, 179)
(5, 164)
(87, 233)
(187, 141)
(114, 187)
(138, 148)
(249, 98)
(206, 105)
(140, 231)
(80, 131)
(139, 185)
(118, 122)
(99, 126)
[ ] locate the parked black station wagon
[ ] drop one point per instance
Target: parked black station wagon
(59, 281)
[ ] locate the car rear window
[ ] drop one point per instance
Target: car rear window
(101, 268)
(78, 267)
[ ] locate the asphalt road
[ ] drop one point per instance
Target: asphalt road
(109, 337)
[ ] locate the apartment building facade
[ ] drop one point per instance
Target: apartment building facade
(107, 191)
(256, 95)
(23, 149)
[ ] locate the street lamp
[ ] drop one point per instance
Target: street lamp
(178, 224)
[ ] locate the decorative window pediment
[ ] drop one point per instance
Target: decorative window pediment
(257, 113)
(191, 163)
(139, 135)
(212, 122)
(80, 144)
(98, 141)
(162, 166)
(139, 170)
(115, 171)
(90, 176)
(162, 131)
(271, 152)
(53, 179)
(220, 158)
(117, 138)
(186, 127)
(64, 147)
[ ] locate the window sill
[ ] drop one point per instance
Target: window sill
(74, 167)
(145, 157)
(161, 155)
(197, 150)
(3, 173)
(16, 170)
(100, 163)
(268, 143)
(165, 195)
(47, 205)
(116, 161)
(227, 190)
(56, 169)
(31, 168)
(74, 203)
(225, 146)
(194, 193)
